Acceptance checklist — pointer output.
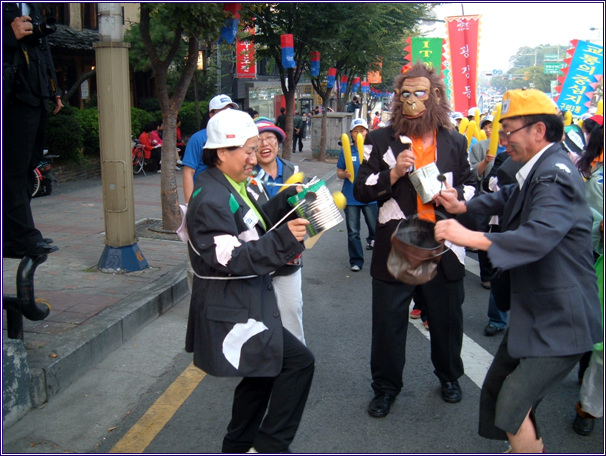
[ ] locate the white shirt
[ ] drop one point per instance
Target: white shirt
(522, 174)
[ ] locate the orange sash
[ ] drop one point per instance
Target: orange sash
(424, 156)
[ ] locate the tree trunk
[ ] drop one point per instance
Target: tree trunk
(289, 97)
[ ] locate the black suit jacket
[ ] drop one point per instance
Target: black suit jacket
(36, 79)
(400, 200)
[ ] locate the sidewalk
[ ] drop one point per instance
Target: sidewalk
(93, 313)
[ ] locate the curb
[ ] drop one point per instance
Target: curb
(88, 345)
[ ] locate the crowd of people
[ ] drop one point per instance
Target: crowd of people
(532, 210)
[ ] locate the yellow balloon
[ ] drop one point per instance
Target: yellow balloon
(349, 167)
(567, 118)
(463, 125)
(494, 136)
(360, 146)
(340, 200)
(296, 178)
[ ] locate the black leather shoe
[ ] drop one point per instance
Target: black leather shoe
(491, 330)
(582, 426)
(380, 405)
(48, 240)
(451, 391)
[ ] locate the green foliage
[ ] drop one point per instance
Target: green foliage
(189, 122)
(138, 118)
(89, 122)
(65, 137)
(151, 105)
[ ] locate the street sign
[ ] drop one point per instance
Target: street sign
(553, 67)
(551, 57)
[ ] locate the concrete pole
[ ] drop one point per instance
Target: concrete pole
(121, 253)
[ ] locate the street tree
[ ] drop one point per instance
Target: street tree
(309, 23)
(365, 38)
(170, 34)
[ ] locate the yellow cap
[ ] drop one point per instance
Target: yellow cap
(526, 103)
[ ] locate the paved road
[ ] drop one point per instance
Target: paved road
(108, 410)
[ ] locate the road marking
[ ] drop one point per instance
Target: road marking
(149, 425)
(475, 359)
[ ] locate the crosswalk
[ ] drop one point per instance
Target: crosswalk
(475, 359)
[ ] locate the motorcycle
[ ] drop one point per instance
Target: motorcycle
(43, 177)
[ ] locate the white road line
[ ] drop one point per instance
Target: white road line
(475, 359)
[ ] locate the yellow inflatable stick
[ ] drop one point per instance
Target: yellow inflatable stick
(494, 136)
(567, 118)
(463, 125)
(600, 108)
(296, 178)
(476, 116)
(360, 146)
(349, 167)
(482, 135)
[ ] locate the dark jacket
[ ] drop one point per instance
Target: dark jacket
(36, 81)
(373, 184)
(546, 246)
(234, 326)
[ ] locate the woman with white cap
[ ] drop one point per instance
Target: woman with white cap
(234, 327)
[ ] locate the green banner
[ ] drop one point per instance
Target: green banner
(427, 50)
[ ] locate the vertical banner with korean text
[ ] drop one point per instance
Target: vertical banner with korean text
(584, 72)
(246, 66)
(463, 32)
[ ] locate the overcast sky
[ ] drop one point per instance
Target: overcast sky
(505, 27)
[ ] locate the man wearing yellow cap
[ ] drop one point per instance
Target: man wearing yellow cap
(545, 251)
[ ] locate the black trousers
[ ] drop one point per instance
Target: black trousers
(297, 137)
(24, 133)
(267, 411)
(442, 301)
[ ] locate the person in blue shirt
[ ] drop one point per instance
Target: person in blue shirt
(192, 159)
(354, 208)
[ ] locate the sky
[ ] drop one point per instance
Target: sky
(506, 27)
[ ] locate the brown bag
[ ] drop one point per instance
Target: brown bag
(415, 253)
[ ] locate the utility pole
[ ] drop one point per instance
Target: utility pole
(121, 252)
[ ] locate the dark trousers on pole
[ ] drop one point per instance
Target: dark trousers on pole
(442, 301)
(267, 410)
(24, 130)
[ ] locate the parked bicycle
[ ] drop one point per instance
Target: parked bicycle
(138, 157)
(43, 178)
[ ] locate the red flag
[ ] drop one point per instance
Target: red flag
(246, 66)
(463, 41)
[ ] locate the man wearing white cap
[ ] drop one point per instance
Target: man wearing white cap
(192, 160)
(545, 253)
(234, 327)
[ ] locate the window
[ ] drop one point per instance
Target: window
(89, 16)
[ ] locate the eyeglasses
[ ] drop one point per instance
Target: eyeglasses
(505, 135)
(271, 140)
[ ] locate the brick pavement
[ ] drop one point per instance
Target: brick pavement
(93, 313)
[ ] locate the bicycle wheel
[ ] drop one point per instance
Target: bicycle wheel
(37, 181)
(138, 161)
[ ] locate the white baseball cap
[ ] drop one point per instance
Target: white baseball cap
(220, 101)
(486, 120)
(230, 128)
(358, 123)
(457, 115)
